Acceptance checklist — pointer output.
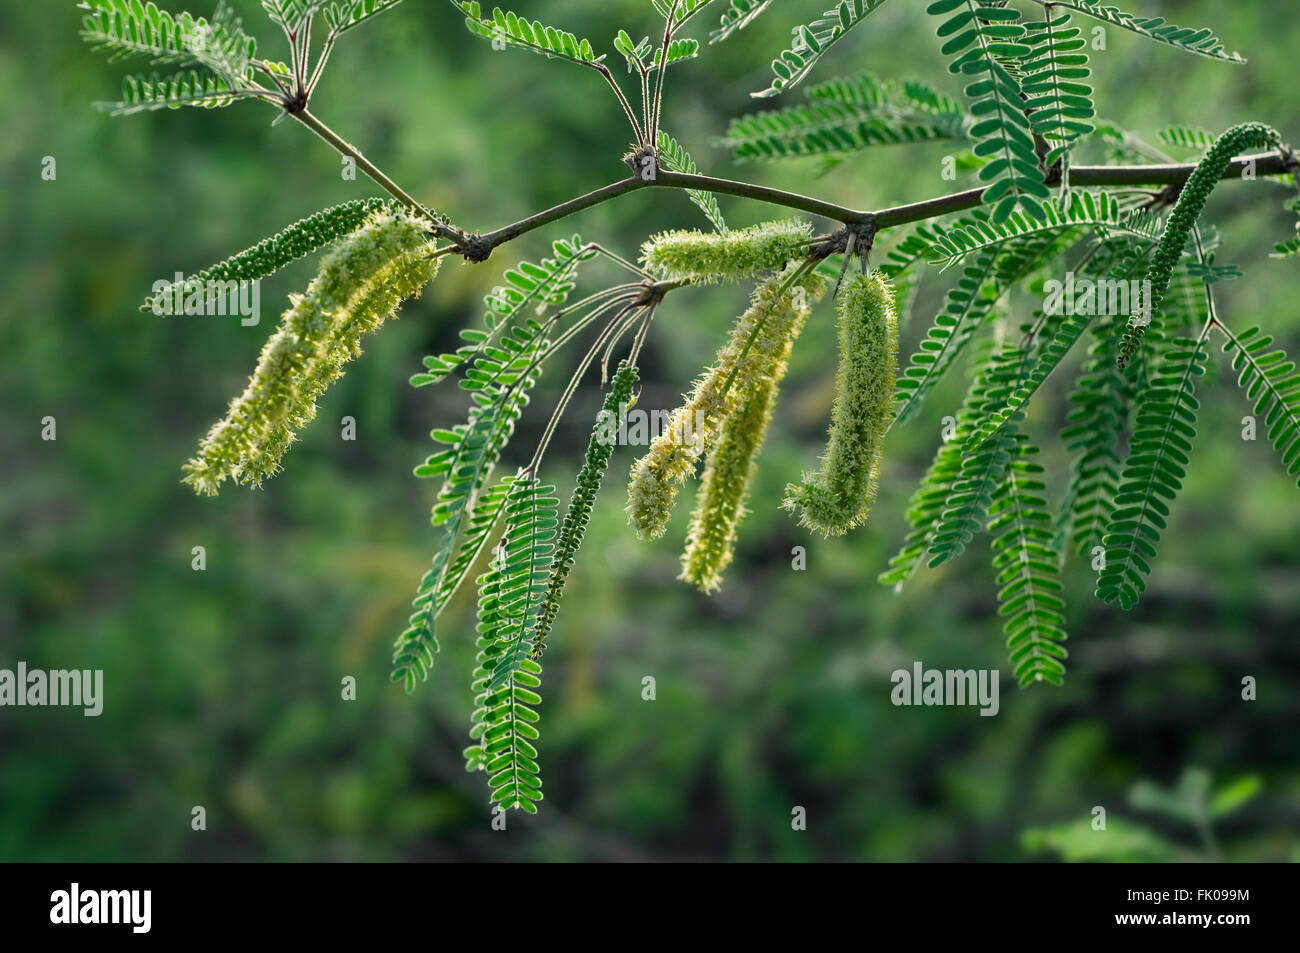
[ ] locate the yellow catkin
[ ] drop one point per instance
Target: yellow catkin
(838, 497)
(361, 282)
(702, 257)
(724, 488)
(762, 332)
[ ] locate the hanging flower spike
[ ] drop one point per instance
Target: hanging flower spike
(838, 497)
(772, 315)
(360, 283)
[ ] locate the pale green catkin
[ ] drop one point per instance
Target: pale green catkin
(838, 497)
(724, 488)
(699, 257)
(770, 320)
(361, 282)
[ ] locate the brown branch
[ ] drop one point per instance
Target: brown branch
(476, 247)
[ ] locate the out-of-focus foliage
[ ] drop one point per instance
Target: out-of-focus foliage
(223, 686)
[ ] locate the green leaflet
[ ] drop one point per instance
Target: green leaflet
(599, 450)
(1164, 425)
(738, 15)
(1099, 411)
(966, 307)
(504, 720)
(847, 115)
(674, 158)
(980, 473)
(758, 333)
(742, 253)
(1269, 379)
(1098, 210)
(1051, 355)
(812, 42)
(973, 301)
(361, 283)
(1029, 597)
(271, 254)
(500, 366)
(988, 40)
(1058, 98)
(838, 496)
(1196, 192)
(519, 578)
(930, 498)
(513, 30)
(1201, 42)
(216, 55)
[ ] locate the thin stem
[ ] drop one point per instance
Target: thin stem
(572, 386)
(659, 80)
(639, 341)
(622, 100)
(645, 93)
(613, 343)
(620, 260)
(343, 147)
(321, 60)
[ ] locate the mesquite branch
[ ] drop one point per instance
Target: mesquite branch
(477, 247)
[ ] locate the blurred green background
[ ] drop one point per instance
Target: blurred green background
(223, 686)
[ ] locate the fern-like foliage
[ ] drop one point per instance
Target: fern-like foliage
(217, 54)
(271, 254)
(980, 472)
(513, 30)
(339, 15)
(1269, 378)
(812, 42)
(504, 721)
(674, 158)
(501, 365)
(1164, 425)
(970, 304)
(1095, 426)
(989, 40)
(1029, 597)
(738, 15)
(519, 578)
(844, 116)
(965, 308)
(931, 495)
(599, 450)
(1186, 137)
(147, 92)
(1287, 249)
(1058, 98)
(1199, 41)
(1067, 332)
(343, 15)
(1097, 210)
(1098, 412)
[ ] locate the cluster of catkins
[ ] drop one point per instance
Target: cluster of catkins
(730, 407)
(362, 281)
